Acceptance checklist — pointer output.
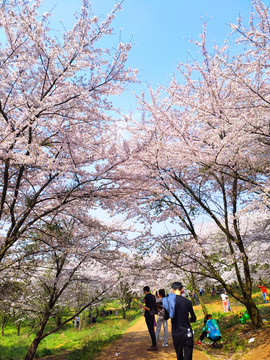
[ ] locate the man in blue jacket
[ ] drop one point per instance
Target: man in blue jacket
(182, 314)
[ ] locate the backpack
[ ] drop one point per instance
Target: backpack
(213, 330)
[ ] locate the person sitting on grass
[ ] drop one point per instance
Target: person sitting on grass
(210, 330)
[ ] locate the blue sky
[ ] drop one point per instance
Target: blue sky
(160, 30)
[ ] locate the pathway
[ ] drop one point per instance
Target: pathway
(134, 343)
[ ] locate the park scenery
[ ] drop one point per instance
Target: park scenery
(110, 181)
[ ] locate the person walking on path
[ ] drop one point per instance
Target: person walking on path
(264, 292)
(181, 312)
(160, 318)
(150, 308)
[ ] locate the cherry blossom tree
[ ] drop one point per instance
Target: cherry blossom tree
(65, 261)
(11, 290)
(56, 151)
(205, 152)
(209, 257)
(56, 142)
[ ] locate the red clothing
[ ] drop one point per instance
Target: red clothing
(263, 288)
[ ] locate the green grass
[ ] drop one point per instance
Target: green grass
(87, 343)
(78, 344)
(235, 335)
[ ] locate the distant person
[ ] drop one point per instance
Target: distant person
(264, 292)
(180, 310)
(228, 302)
(210, 330)
(103, 313)
(224, 302)
(77, 321)
(150, 308)
(161, 317)
(196, 299)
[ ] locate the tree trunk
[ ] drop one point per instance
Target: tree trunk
(33, 347)
(205, 312)
(18, 328)
(253, 312)
(89, 315)
(4, 323)
(124, 312)
(247, 301)
(196, 290)
(80, 322)
(58, 320)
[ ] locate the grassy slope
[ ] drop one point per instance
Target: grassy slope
(78, 344)
(235, 336)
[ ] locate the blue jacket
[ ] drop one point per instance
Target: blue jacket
(169, 304)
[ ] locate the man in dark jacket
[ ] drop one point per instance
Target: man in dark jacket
(150, 308)
(181, 329)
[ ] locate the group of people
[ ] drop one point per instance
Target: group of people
(181, 312)
(177, 307)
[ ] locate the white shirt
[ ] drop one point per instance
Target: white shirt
(223, 297)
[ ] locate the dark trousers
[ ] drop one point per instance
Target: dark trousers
(183, 346)
(150, 325)
(203, 335)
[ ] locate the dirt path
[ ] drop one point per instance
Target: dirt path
(134, 343)
(261, 352)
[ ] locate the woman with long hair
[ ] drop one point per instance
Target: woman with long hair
(160, 317)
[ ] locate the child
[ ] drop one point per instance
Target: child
(210, 330)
